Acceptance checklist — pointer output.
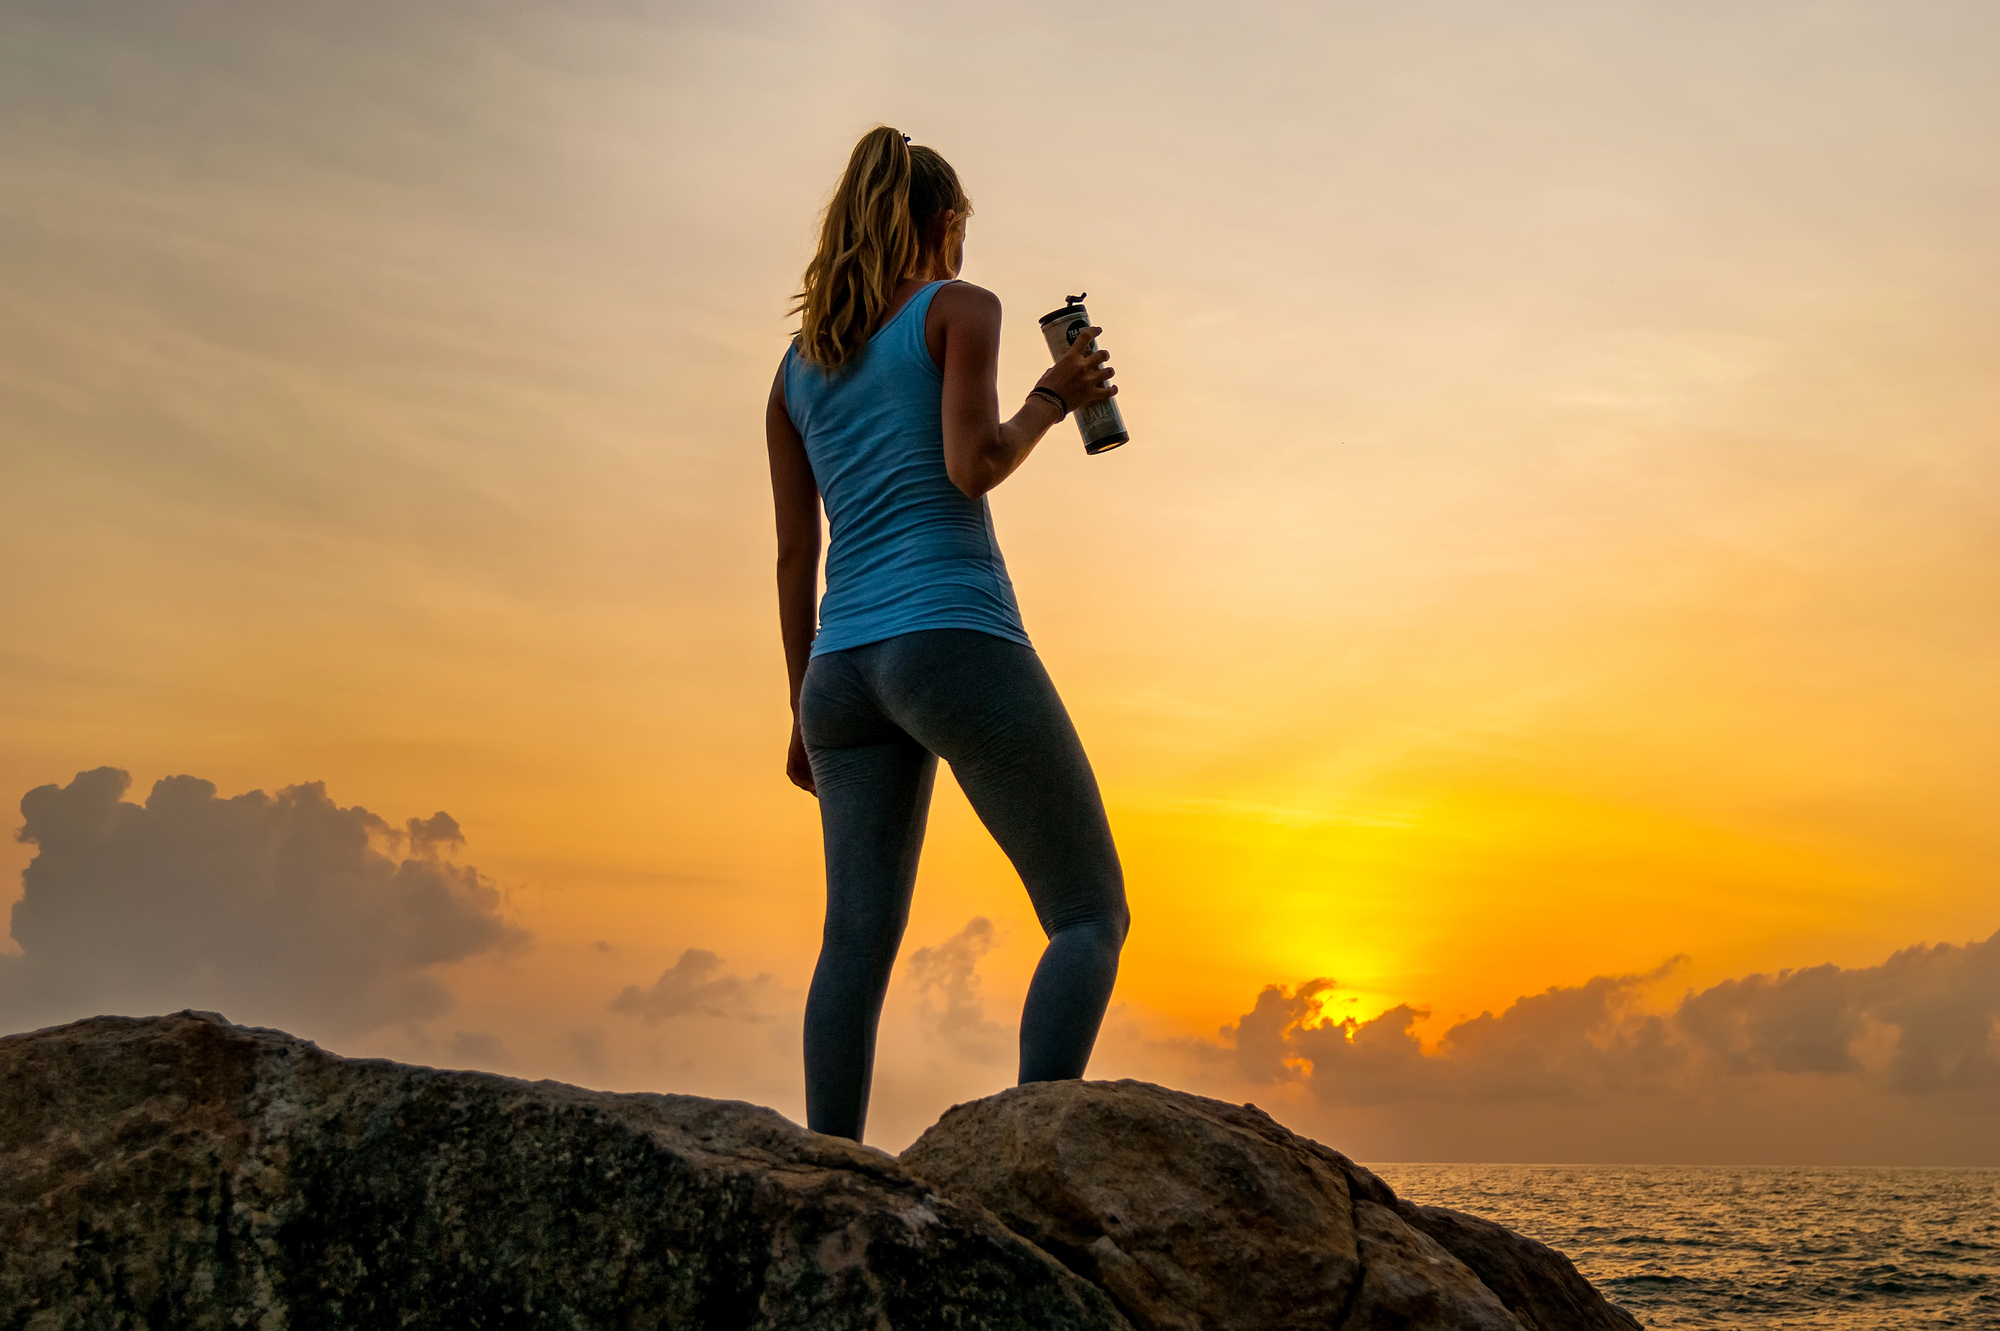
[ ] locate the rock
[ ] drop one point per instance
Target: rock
(1409, 1281)
(1539, 1285)
(1192, 1212)
(182, 1172)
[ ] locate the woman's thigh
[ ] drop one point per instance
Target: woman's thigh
(988, 707)
(874, 784)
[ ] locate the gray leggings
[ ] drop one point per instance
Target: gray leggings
(876, 720)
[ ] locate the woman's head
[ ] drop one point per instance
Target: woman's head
(898, 212)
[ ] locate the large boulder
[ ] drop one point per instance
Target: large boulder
(1193, 1213)
(1196, 1213)
(182, 1172)
(1542, 1288)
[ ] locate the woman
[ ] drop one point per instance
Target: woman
(885, 408)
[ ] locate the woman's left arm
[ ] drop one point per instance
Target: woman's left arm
(980, 449)
(795, 497)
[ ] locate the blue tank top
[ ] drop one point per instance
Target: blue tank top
(909, 550)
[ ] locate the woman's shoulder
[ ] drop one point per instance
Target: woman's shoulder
(794, 358)
(959, 297)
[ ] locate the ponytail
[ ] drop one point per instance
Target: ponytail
(871, 238)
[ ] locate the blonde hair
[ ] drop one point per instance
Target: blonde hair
(871, 238)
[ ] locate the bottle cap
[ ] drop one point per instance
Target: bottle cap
(1075, 306)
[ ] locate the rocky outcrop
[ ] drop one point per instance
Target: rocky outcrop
(1408, 1280)
(1539, 1285)
(1195, 1213)
(182, 1172)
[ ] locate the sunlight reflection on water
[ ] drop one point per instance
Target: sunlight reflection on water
(1853, 1249)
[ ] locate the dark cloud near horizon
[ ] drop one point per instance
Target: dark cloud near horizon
(696, 986)
(1926, 1020)
(276, 910)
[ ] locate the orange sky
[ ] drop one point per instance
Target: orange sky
(1557, 535)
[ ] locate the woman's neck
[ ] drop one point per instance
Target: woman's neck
(931, 268)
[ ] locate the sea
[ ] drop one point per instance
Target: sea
(1852, 1249)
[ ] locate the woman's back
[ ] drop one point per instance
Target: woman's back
(910, 551)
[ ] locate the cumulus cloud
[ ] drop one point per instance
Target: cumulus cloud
(949, 972)
(696, 985)
(271, 909)
(1925, 1020)
(429, 837)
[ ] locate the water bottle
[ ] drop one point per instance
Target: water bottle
(1102, 427)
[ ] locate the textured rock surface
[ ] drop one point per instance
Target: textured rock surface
(182, 1172)
(1409, 1281)
(1539, 1284)
(1163, 1198)
(1193, 1213)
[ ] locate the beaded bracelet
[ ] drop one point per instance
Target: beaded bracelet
(1043, 390)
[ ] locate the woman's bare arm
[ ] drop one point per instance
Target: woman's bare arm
(980, 449)
(795, 496)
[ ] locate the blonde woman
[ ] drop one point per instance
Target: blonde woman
(886, 410)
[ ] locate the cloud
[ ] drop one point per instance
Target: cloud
(586, 1049)
(1930, 1016)
(950, 971)
(476, 1049)
(696, 986)
(270, 909)
(1926, 1020)
(428, 836)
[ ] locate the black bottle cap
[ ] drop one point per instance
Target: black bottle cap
(1075, 304)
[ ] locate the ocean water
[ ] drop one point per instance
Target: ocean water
(1853, 1249)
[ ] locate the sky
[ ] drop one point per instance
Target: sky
(1537, 649)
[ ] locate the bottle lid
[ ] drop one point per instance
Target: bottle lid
(1075, 306)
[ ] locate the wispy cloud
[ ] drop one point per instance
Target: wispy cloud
(949, 972)
(696, 986)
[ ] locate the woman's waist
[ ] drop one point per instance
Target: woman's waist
(937, 597)
(927, 558)
(911, 531)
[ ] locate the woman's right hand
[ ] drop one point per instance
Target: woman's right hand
(1081, 376)
(797, 765)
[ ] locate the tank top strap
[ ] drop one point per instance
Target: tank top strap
(911, 321)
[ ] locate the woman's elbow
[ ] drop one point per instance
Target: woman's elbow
(972, 479)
